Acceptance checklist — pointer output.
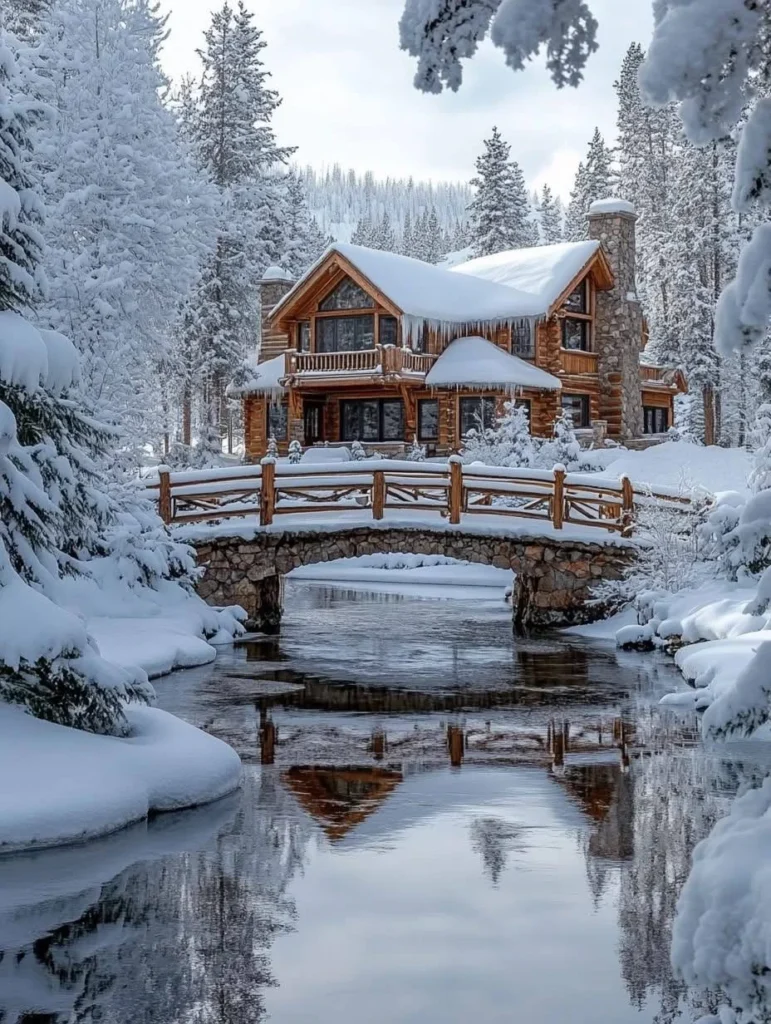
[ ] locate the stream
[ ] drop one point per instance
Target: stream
(439, 822)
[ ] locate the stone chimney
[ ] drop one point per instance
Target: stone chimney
(274, 285)
(618, 319)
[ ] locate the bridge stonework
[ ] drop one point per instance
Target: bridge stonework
(552, 587)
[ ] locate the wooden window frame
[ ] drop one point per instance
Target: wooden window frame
(656, 410)
(589, 318)
(586, 404)
(380, 403)
(480, 396)
(276, 405)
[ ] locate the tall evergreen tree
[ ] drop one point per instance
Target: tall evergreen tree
(551, 217)
(303, 241)
(500, 210)
(594, 180)
(237, 147)
(407, 241)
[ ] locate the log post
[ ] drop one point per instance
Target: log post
(627, 505)
(267, 491)
(378, 494)
(558, 498)
(164, 494)
(456, 489)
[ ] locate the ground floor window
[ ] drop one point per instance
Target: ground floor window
(579, 408)
(277, 421)
(655, 419)
(477, 414)
(527, 405)
(428, 419)
(376, 419)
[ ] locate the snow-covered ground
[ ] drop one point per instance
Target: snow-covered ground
(70, 785)
(677, 464)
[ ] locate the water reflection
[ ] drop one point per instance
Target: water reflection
(408, 846)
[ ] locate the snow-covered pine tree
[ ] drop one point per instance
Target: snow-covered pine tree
(512, 437)
(550, 217)
(295, 451)
(563, 449)
(594, 180)
(50, 510)
(416, 452)
(407, 242)
(500, 211)
(238, 149)
(434, 242)
(129, 216)
(364, 233)
(386, 237)
(303, 241)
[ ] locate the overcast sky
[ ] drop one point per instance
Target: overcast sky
(348, 96)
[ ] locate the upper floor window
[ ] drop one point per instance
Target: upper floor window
(304, 336)
(347, 295)
(578, 300)
(389, 330)
(575, 334)
(522, 339)
(345, 333)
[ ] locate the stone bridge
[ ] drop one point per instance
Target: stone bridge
(554, 576)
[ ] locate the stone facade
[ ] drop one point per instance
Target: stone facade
(618, 326)
(554, 578)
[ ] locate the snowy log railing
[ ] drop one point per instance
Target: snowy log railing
(447, 489)
(383, 359)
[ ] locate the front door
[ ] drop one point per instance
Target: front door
(313, 416)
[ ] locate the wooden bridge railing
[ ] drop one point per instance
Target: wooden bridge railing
(448, 489)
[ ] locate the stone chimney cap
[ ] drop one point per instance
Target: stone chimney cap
(277, 274)
(601, 207)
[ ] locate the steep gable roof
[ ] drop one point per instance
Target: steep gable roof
(544, 272)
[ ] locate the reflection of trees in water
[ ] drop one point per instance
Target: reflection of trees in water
(185, 938)
(677, 797)
(494, 839)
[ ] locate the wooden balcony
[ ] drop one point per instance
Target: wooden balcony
(574, 361)
(375, 362)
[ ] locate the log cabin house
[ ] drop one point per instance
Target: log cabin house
(381, 348)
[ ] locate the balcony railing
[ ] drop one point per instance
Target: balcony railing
(380, 360)
(656, 374)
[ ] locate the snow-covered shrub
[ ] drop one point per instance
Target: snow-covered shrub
(416, 452)
(563, 447)
(508, 443)
(295, 452)
(272, 452)
(358, 453)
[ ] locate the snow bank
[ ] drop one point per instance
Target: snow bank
(69, 785)
(542, 272)
(475, 362)
(679, 464)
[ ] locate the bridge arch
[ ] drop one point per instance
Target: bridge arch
(554, 576)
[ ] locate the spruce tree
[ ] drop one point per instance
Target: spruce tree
(51, 511)
(594, 180)
(551, 217)
(303, 241)
(500, 210)
(407, 243)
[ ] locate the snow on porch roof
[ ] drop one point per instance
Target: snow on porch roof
(423, 291)
(261, 378)
(477, 363)
(543, 272)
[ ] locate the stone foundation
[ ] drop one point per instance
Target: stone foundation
(553, 585)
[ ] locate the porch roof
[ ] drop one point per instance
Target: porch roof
(477, 363)
(261, 378)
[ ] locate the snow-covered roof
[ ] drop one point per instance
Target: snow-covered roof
(262, 378)
(276, 273)
(477, 363)
(542, 272)
(428, 293)
(611, 205)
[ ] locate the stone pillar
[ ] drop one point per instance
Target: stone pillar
(618, 320)
(261, 600)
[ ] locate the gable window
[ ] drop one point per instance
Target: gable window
(476, 414)
(304, 336)
(389, 330)
(346, 295)
(655, 419)
(578, 406)
(345, 333)
(575, 334)
(522, 339)
(578, 300)
(428, 419)
(372, 420)
(277, 421)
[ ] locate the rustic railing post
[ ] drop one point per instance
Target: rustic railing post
(456, 489)
(627, 505)
(558, 498)
(378, 494)
(164, 493)
(267, 491)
